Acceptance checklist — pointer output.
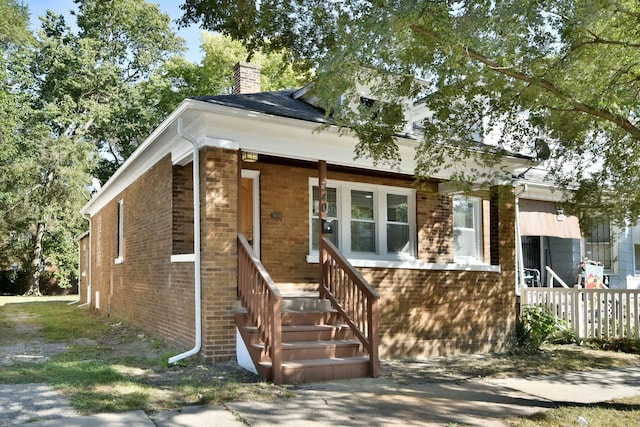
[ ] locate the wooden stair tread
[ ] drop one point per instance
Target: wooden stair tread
(302, 328)
(333, 361)
(314, 344)
(321, 311)
(331, 327)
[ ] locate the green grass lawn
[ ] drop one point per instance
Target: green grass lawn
(105, 366)
(624, 412)
(110, 367)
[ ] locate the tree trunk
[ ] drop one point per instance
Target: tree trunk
(36, 261)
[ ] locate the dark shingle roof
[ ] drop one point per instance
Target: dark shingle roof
(280, 103)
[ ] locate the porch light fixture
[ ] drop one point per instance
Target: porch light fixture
(249, 156)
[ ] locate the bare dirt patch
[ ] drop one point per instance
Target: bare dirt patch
(31, 347)
(131, 368)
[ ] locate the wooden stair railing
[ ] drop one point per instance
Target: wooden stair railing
(354, 299)
(263, 302)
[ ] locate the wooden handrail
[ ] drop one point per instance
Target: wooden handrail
(353, 297)
(263, 301)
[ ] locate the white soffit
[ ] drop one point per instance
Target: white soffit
(539, 191)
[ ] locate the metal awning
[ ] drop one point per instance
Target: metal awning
(538, 218)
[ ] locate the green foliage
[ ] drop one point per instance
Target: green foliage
(625, 345)
(180, 79)
(510, 73)
(14, 24)
(79, 102)
(537, 326)
(74, 105)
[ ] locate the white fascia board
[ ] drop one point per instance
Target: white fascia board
(159, 143)
(232, 128)
(82, 236)
(302, 140)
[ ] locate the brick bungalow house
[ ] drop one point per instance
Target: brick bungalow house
(437, 270)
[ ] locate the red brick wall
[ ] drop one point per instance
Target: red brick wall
(183, 209)
(430, 312)
(284, 219)
(435, 312)
(423, 312)
(246, 78)
(150, 291)
(219, 195)
(146, 289)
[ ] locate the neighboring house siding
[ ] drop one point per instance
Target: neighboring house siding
(563, 256)
(624, 262)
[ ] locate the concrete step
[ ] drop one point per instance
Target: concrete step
(312, 370)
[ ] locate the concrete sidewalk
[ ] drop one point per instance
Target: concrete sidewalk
(382, 402)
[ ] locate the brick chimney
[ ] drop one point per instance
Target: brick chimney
(246, 78)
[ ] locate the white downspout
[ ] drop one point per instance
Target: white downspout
(519, 256)
(90, 264)
(196, 246)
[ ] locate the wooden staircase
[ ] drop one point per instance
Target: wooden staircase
(316, 344)
(332, 335)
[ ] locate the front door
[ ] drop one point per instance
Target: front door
(249, 217)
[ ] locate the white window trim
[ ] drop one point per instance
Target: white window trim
(343, 195)
(479, 231)
(183, 258)
(255, 176)
(411, 264)
(120, 257)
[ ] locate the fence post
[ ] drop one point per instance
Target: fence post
(576, 317)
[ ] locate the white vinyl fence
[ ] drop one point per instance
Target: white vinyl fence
(592, 313)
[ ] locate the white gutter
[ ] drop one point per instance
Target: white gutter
(196, 246)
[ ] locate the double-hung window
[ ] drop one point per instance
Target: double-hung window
(467, 230)
(369, 221)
